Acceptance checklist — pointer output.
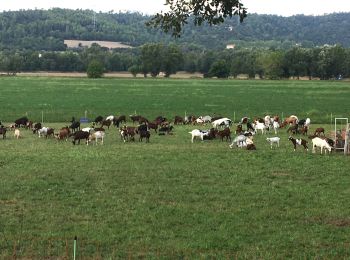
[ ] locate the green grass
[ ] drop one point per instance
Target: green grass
(169, 198)
(61, 98)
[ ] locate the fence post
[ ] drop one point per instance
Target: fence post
(14, 255)
(67, 254)
(234, 116)
(331, 118)
(42, 117)
(75, 247)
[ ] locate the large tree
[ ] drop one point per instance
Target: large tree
(210, 11)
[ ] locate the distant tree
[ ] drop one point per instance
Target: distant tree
(219, 69)
(295, 62)
(11, 63)
(210, 11)
(172, 59)
(95, 69)
(151, 58)
(272, 64)
(134, 69)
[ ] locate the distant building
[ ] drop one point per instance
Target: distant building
(230, 46)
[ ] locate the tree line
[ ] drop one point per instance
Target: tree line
(47, 29)
(326, 62)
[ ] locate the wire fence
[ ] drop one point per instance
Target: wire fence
(53, 116)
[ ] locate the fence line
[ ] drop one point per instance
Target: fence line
(53, 116)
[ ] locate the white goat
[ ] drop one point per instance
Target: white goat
(198, 133)
(259, 126)
(322, 143)
(226, 122)
(239, 141)
(96, 136)
(42, 131)
(87, 129)
(274, 140)
(17, 133)
(275, 125)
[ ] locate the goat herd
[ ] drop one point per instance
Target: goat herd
(245, 131)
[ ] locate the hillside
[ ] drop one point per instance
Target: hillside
(47, 30)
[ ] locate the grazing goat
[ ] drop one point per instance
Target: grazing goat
(17, 134)
(259, 126)
(322, 143)
(79, 135)
(87, 129)
(152, 125)
(127, 133)
(318, 131)
(106, 123)
(110, 118)
(250, 144)
(178, 120)
(275, 125)
(240, 141)
(224, 133)
(208, 134)
(144, 134)
(298, 142)
(293, 129)
(21, 122)
(226, 122)
(75, 126)
(3, 131)
(46, 131)
(134, 118)
(36, 127)
(239, 129)
(99, 135)
(63, 134)
(98, 119)
(274, 140)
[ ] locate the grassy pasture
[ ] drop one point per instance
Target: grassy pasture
(168, 198)
(61, 98)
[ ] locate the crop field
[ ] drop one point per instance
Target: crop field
(170, 198)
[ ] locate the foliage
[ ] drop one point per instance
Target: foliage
(151, 58)
(45, 30)
(172, 59)
(219, 69)
(326, 62)
(95, 69)
(134, 70)
(213, 12)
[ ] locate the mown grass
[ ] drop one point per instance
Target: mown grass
(61, 98)
(172, 198)
(169, 198)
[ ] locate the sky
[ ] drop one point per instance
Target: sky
(279, 7)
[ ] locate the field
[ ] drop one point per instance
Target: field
(170, 198)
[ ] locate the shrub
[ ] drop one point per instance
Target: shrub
(95, 69)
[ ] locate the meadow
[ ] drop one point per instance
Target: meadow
(170, 198)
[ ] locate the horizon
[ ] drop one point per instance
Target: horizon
(267, 7)
(147, 14)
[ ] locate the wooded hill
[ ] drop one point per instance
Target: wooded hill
(46, 30)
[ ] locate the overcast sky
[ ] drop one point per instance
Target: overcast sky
(279, 7)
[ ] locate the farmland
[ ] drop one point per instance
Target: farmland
(171, 198)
